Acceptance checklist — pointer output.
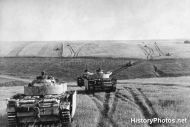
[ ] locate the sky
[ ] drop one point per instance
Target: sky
(47, 20)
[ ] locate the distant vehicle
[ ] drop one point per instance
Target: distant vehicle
(151, 52)
(85, 75)
(187, 42)
(57, 49)
(95, 83)
(44, 103)
(100, 84)
(161, 53)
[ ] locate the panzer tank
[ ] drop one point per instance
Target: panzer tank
(102, 81)
(44, 103)
(100, 84)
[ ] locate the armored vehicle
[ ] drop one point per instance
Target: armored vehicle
(44, 103)
(100, 84)
(85, 75)
(102, 81)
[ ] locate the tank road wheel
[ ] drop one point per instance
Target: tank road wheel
(65, 118)
(12, 120)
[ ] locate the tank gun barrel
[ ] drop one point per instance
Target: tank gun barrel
(125, 66)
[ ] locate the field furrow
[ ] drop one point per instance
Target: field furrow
(144, 105)
(16, 51)
(116, 109)
(114, 104)
(106, 109)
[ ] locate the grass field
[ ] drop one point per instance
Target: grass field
(153, 94)
(99, 48)
(4, 80)
(69, 68)
(116, 109)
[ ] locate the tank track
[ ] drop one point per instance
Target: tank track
(64, 115)
(12, 120)
(65, 121)
(65, 118)
(41, 125)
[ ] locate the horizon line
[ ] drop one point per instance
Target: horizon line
(96, 40)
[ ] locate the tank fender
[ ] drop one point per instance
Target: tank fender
(73, 105)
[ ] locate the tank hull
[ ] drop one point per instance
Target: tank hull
(98, 85)
(27, 110)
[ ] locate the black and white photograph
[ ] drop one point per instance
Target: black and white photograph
(94, 63)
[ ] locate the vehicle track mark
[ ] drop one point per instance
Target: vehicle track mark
(99, 97)
(144, 105)
(120, 95)
(104, 108)
(43, 49)
(125, 99)
(114, 104)
(17, 51)
(106, 104)
(148, 102)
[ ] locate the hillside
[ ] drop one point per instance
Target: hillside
(69, 68)
(144, 98)
(129, 49)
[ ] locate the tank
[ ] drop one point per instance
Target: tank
(100, 84)
(92, 83)
(44, 103)
(102, 81)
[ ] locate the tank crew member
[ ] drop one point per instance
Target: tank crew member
(87, 73)
(43, 75)
(38, 79)
(99, 73)
(51, 79)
